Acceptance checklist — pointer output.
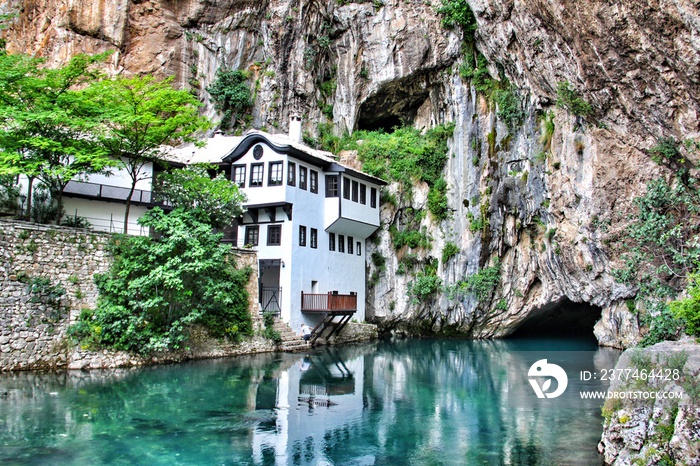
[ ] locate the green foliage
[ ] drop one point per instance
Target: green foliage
(404, 155)
(46, 120)
(449, 251)
(9, 194)
(662, 245)
(667, 152)
(157, 288)
(547, 131)
(75, 221)
(662, 324)
(45, 208)
(458, 13)
(41, 290)
(230, 92)
(269, 331)
(437, 200)
(378, 260)
(424, 286)
(663, 251)
(409, 237)
(509, 107)
(688, 309)
(475, 68)
(481, 284)
(568, 98)
(139, 115)
(218, 201)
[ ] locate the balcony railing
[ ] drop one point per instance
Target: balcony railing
(324, 302)
(108, 192)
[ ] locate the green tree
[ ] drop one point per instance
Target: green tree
(688, 309)
(158, 287)
(139, 116)
(46, 123)
(231, 95)
(217, 200)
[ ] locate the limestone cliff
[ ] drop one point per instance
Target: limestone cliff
(552, 206)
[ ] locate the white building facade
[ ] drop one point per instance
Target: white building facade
(308, 216)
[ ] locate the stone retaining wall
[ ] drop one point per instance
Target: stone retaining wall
(46, 277)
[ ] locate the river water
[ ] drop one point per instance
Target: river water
(414, 402)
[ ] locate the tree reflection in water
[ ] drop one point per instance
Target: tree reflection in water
(403, 402)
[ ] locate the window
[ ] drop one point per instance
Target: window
(331, 241)
(313, 180)
(355, 189)
(292, 174)
(331, 185)
(239, 175)
(341, 243)
(302, 177)
(350, 243)
(359, 248)
(251, 235)
(275, 174)
(314, 238)
(373, 197)
(346, 188)
(256, 175)
(363, 194)
(302, 235)
(274, 235)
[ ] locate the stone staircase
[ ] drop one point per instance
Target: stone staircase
(290, 340)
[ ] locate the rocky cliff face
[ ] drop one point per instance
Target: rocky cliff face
(553, 205)
(660, 430)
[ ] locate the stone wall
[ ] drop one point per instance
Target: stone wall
(46, 277)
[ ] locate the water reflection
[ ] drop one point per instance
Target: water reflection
(405, 402)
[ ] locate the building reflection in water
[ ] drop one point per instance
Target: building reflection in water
(317, 394)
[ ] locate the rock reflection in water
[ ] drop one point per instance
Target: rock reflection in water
(404, 402)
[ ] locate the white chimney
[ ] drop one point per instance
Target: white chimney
(295, 128)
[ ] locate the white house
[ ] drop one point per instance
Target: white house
(308, 216)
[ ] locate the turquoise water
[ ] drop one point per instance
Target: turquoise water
(415, 402)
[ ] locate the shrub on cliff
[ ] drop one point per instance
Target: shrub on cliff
(157, 287)
(688, 309)
(662, 241)
(231, 95)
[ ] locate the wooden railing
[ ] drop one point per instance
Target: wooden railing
(328, 302)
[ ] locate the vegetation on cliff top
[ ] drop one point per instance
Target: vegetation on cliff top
(405, 155)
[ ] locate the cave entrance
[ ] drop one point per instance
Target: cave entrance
(563, 319)
(395, 103)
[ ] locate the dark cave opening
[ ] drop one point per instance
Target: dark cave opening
(395, 103)
(563, 319)
(385, 123)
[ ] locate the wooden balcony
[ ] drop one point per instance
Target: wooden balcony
(327, 302)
